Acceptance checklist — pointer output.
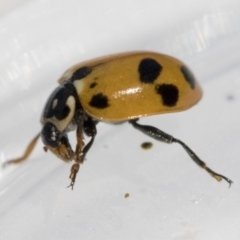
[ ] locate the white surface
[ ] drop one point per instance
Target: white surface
(170, 197)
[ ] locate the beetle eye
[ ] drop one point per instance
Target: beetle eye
(50, 135)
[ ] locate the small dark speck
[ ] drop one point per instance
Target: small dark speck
(146, 145)
(230, 97)
(126, 195)
(92, 85)
(45, 149)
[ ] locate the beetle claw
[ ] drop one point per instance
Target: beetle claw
(74, 170)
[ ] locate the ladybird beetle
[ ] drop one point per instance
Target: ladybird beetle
(116, 88)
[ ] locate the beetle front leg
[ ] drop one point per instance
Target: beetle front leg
(80, 158)
(89, 127)
(63, 150)
(80, 140)
(164, 137)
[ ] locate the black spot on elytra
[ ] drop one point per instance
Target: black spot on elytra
(92, 85)
(149, 70)
(188, 76)
(81, 73)
(169, 94)
(99, 101)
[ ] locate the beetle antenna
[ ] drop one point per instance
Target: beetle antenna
(26, 154)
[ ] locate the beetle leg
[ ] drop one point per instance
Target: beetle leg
(63, 150)
(80, 139)
(90, 130)
(26, 154)
(73, 174)
(164, 137)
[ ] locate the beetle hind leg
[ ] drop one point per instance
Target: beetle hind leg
(202, 164)
(164, 137)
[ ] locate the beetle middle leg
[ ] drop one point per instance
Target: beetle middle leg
(89, 128)
(164, 137)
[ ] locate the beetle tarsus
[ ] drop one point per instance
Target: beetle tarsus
(71, 185)
(74, 170)
(219, 177)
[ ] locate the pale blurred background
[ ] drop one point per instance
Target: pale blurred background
(169, 196)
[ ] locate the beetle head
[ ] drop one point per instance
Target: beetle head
(58, 118)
